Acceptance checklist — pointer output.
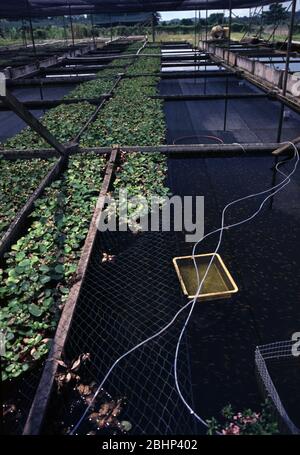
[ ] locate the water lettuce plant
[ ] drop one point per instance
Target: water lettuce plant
(142, 175)
(94, 88)
(39, 267)
(131, 117)
(18, 181)
(64, 122)
(147, 64)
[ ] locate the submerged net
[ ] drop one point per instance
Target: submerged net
(279, 359)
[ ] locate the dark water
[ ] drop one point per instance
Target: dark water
(262, 256)
(248, 120)
(11, 124)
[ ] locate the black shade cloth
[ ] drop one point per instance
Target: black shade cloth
(122, 18)
(43, 8)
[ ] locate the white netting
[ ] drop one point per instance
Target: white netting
(265, 355)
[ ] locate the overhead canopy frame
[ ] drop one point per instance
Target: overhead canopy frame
(45, 8)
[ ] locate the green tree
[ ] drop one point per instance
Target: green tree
(277, 14)
(187, 22)
(216, 18)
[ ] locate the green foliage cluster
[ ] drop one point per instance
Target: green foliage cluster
(96, 87)
(39, 267)
(64, 122)
(147, 64)
(142, 176)
(130, 117)
(246, 422)
(18, 180)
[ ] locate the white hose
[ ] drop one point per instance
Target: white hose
(278, 188)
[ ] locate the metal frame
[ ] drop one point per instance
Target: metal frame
(201, 150)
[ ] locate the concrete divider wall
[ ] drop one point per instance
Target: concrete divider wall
(201, 45)
(232, 58)
(24, 70)
(211, 48)
(245, 64)
(293, 84)
(261, 70)
(268, 74)
(7, 72)
(21, 71)
(51, 61)
(219, 52)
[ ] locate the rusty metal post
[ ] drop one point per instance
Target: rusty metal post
(286, 70)
(227, 79)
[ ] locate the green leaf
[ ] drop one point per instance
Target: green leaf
(59, 269)
(35, 310)
(45, 279)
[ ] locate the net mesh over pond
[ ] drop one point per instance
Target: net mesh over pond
(124, 300)
(132, 292)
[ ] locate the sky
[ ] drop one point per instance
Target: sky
(168, 15)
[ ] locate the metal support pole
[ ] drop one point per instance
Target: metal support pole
(31, 28)
(227, 79)
(71, 24)
(32, 36)
(199, 31)
(153, 28)
(93, 34)
(286, 70)
(250, 22)
(42, 94)
(284, 86)
(261, 23)
(206, 34)
(65, 30)
(24, 33)
(200, 25)
(195, 33)
(111, 32)
(195, 40)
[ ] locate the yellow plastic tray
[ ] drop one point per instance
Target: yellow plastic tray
(218, 284)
